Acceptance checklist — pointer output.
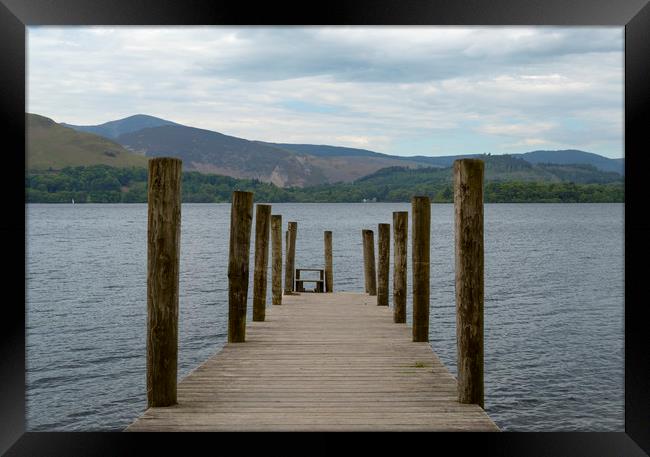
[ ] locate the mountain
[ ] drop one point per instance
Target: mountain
(498, 168)
(51, 145)
(287, 164)
(323, 150)
(283, 165)
(562, 157)
(566, 157)
(342, 164)
(212, 152)
(571, 156)
(113, 129)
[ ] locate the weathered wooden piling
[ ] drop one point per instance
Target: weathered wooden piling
(383, 264)
(329, 269)
(468, 208)
(287, 276)
(276, 259)
(241, 218)
(262, 227)
(290, 266)
(369, 261)
(421, 210)
(400, 237)
(163, 254)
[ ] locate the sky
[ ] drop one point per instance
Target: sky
(398, 90)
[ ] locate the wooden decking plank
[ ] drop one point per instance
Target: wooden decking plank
(320, 362)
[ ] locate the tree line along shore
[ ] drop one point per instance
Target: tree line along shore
(105, 184)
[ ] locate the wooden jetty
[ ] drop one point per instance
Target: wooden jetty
(318, 362)
(321, 362)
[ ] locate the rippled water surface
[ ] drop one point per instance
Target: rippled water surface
(553, 305)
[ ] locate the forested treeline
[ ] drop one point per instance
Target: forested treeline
(104, 184)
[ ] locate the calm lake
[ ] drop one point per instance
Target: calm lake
(554, 305)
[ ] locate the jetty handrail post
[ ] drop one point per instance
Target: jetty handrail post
(262, 228)
(276, 259)
(400, 243)
(241, 217)
(469, 259)
(383, 264)
(369, 261)
(289, 273)
(329, 269)
(421, 213)
(163, 258)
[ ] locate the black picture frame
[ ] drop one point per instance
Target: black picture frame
(15, 15)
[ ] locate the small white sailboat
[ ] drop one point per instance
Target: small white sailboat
(73, 201)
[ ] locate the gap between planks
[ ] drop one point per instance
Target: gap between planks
(330, 361)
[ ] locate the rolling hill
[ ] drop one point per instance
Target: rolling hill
(113, 129)
(572, 156)
(290, 165)
(53, 146)
(211, 152)
(508, 180)
(561, 157)
(498, 168)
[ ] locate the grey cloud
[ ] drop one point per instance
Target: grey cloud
(388, 86)
(288, 53)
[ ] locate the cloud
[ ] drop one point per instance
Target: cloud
(518, 130)
(399, 54)
(401, 90)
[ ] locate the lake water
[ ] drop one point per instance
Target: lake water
(554, 305)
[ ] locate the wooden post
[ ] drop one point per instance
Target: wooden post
(287, 273)
(468, 208)
(241, 218)
(276, 259)
(262, 227)
(421, 210)
(293, 227)
(290, 267)
(163, 254)
(400, 237)
(383, 264)
(329, 270)
(369, 261)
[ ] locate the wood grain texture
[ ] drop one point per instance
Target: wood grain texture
(276, 259)
(241, 219)
(421, 213)
(262, 231)
(329, 264)
(400, 243)
(287, 274)
(383, 263)
(370, 273)
(163, 258)
(468, 221)
(290, 267)
(328, 362)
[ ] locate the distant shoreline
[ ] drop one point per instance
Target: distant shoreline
(506, 181)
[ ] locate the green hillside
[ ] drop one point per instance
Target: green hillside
(497, 168)
(104, 184)
(52, 146)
